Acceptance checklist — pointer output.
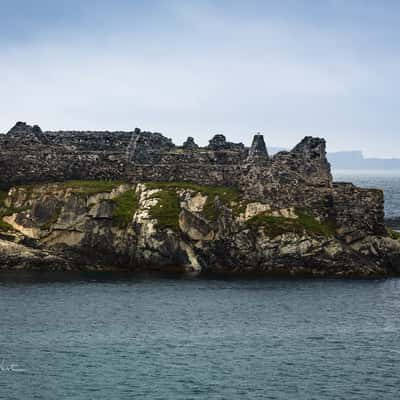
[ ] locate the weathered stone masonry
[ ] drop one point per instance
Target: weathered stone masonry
(300, 178)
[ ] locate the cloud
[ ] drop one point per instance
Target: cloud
(198, 70)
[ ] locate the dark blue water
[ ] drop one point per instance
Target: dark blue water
(98, 337)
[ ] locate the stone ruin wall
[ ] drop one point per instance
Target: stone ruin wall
(30, 155)
(299, 178)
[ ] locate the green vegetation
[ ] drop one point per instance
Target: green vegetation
(126, 205)
(393, 234)
(226, 195)
(275, 226)
(313, 226)
(166, 211)
(4, 227)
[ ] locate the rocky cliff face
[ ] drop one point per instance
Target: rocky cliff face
(181, 226)
(234, 208)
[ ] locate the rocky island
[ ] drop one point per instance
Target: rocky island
(134, 200)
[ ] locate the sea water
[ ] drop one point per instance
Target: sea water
(121, 336)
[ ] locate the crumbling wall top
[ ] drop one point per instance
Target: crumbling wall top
(23, 132)
(258, 150)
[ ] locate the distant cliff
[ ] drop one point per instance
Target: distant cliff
(356, 160)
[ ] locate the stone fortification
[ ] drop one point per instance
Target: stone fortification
(300, 178)
(31, 155)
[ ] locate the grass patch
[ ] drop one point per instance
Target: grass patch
(126, 205)
(313, 226)
(166, 211)
(226, 195)
(4, 226)
(275, 226)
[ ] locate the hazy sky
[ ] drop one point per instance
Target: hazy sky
(286, 68)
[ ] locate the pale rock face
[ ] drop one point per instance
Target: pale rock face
(120, 189)
(29, 231)
(97, 198)
(253, 209)
(17, 197)
(257, 208)
(194, 203)
(146, 202)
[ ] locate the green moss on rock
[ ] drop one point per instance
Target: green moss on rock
(225, 195)
(126, 205)
(4, 226)
(167, 209)
(275, 226)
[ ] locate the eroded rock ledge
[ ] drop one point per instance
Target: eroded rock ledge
(183, 226)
